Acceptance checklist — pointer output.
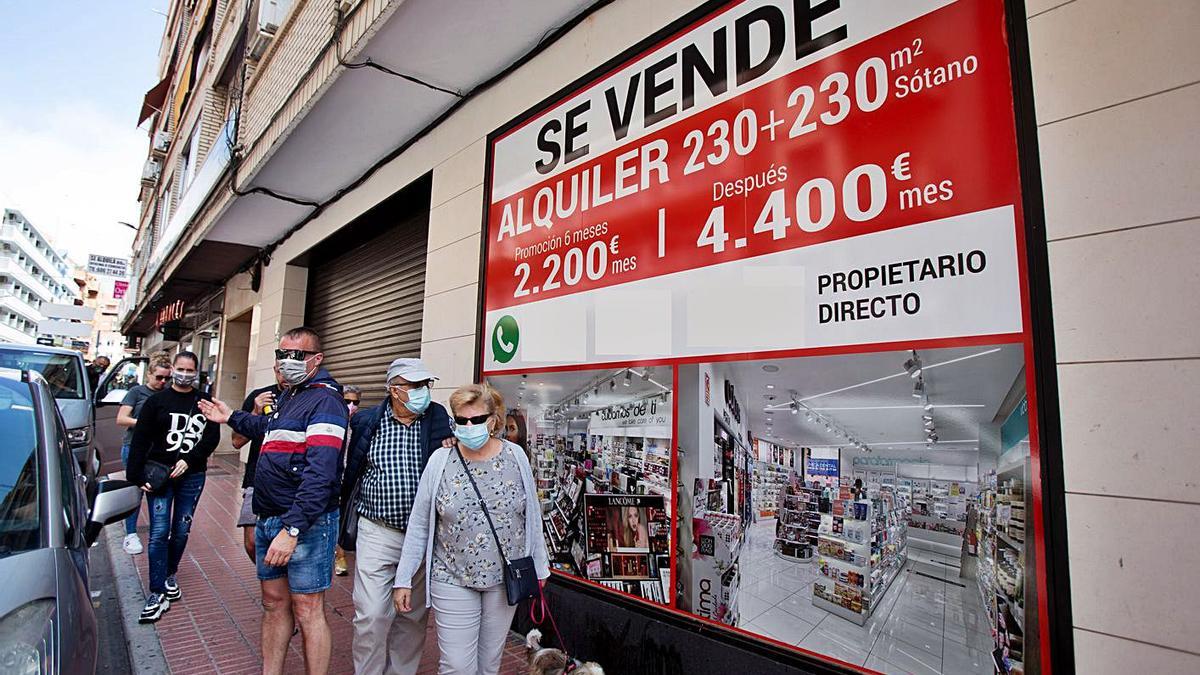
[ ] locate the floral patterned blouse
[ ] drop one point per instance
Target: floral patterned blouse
(464, 551)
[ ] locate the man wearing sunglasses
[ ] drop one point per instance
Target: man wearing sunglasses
(296, 486)
(390, 445)
(131, 406)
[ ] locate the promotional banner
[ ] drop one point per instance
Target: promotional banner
(818, 202)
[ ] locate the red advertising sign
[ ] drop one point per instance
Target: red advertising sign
(783, 181)
(119, 289)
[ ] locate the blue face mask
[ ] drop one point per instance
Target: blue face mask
(418, 400)
(472, 435)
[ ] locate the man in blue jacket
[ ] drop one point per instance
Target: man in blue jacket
(296, 491)
(389, 447)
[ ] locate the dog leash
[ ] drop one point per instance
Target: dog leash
(540, 603)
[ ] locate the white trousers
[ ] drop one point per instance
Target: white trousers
(471, 627)
(384, 642)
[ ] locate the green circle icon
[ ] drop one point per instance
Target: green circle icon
(505, 337)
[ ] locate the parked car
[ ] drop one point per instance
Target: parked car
(120, 378)
(49, 516)
(64, 372)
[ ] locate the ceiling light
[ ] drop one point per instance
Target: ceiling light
(628, 378)
(770, 368)
(927, 417)
(928, 405)
(809, 416)
(596, 391)
(645, 375)
(612, 384)
(795, 408)
(928, 424)
(918, 388)
(770, 386)
(913, 366)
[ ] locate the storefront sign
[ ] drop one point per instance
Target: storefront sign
(102, 265)
(169, 312)
(119, 289)
(648, 418)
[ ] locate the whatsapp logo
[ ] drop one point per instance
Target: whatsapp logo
(505, 337)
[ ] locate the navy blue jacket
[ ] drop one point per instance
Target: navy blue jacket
(435, 428)
(299, 468)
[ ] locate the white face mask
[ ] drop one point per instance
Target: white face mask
(294, 372)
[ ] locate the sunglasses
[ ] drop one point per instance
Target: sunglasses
(478, 419)
(292, 354)
(348, 401)
(161, 378)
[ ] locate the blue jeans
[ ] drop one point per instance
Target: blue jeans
(170, 522)
(131, 521)
(310, 569)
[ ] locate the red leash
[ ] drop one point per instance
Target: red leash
(540, 603)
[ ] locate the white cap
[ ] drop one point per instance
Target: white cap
(410, 369)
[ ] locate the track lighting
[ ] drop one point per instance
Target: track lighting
(913, 366)
(795, 408)
(645, 375)
(612, 385)
(928, 405)
(628, 378)
(919, 388)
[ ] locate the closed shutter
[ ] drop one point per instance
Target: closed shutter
(366, 304)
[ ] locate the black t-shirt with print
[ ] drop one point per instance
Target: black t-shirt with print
(169, 428)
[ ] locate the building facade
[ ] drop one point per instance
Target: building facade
(32, 274)
(329, 164)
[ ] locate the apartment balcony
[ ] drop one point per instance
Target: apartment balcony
(11, 266)
(11, 334)
(13, 302)
(16, 236)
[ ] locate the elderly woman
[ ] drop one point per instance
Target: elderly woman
(450, 533)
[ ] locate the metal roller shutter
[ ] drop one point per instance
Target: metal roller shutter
(366, 304)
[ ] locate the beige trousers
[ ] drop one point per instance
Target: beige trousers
(384, 642)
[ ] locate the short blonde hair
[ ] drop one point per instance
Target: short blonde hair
(483, 392)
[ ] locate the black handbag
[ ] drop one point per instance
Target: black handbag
(156, 475)
(520, 577)
(348, 524)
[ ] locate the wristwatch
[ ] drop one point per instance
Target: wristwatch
(294, 531)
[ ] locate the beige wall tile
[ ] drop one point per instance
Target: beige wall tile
(450, 314)
(1131, 428)
(1127, 295)
(1100, 654)
(1038, 6)
(461, 172)
(459, 217)
(1134, 164)
(452, 266)
(452, 359)
(1094, 53)
(1131, 562)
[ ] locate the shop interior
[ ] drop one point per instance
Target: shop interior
(599, 445)
(867, 507)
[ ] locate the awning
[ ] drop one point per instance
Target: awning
(155, 98)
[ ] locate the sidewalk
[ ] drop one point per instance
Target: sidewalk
(215, 628)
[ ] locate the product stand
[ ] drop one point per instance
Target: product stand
(1005, 570)
(861, 547)
(715, 570)
(796, 530)
(769, 483)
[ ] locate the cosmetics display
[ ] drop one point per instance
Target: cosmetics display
(769, 481)
(861, 546)
(796, 527)
(715, 571)
(1003, 564)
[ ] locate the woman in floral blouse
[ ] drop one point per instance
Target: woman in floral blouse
(449, 533)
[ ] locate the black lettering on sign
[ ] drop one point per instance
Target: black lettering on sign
(776, 29)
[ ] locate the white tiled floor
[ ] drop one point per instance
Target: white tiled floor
(926, 623)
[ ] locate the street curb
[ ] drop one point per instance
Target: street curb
(145, 650)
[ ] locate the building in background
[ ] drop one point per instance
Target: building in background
(32, 275)
(98, 294)
(325, 163)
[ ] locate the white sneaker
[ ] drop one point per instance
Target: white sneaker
(132, 544)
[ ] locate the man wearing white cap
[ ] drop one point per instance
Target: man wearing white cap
(390, 445)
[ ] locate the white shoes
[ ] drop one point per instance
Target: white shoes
(132, 544)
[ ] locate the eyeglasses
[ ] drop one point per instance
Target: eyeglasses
(292, 354)
(161, 378)
(348, 401)
(478, 419)
(409, 386)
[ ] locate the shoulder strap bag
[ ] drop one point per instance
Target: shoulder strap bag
(520, 577)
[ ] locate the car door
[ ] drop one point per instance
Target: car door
(127, 374)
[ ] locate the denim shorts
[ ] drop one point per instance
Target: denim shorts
(310, 569)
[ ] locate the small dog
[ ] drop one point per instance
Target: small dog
(548, 661)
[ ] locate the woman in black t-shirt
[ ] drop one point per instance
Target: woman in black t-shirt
(171, 437)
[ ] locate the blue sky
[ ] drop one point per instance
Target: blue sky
(73, 77)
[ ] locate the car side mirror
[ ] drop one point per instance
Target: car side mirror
(112, 500)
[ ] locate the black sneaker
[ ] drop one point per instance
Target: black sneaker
(173, 593)
(156, 604)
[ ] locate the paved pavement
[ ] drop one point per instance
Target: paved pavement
(215, 628)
